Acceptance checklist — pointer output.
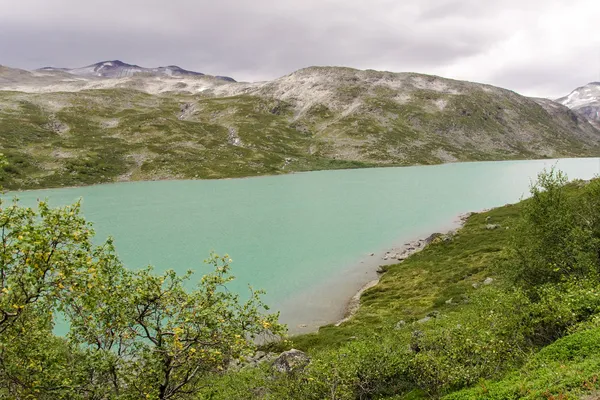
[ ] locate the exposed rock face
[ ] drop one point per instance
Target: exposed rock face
(233, 138)
(291, 361)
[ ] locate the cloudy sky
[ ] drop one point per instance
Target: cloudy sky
(536, 47)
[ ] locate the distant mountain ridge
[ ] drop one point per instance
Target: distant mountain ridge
(585, 100)
(120, 69)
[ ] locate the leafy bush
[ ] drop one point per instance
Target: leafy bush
(558, 235)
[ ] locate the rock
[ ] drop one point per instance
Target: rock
(372, 254)
(475, 285)
(302, 326)
(488, 218)
(252, 361)
(488, 281)
(424, 320)
(259, 354)
(491, 227)
(291, 361)
(57, 126)
(233, 138)
(386, 257)
(432, 237)
(399, 325)
(449, 301)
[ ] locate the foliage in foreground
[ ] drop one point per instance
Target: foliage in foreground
(132, 334)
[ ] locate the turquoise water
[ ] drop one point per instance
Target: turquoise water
(290, 234)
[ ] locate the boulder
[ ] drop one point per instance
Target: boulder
(432, 237)
(491, 227)
(291, 361)
(488, 281)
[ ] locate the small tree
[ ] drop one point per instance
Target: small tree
(553, 242)
(154, 338)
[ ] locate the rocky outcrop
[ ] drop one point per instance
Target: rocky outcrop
(291, 361)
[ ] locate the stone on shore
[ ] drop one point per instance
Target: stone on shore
(291, 361)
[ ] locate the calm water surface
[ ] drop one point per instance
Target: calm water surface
(302, 236)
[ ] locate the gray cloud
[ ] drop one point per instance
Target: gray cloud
(533, 46)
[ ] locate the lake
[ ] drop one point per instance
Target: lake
(305, 238)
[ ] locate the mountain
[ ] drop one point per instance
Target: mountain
(119, 69)
(58, 128)
(585, 101)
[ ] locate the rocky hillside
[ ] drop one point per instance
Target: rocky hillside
(585, 101)
(58, 128)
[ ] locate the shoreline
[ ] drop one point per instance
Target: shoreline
(283, 173)
(336, 300)
(397, 255)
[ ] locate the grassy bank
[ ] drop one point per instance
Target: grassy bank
(445, 271)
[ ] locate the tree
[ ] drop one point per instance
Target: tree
(155, 338)
(556, 238)
(42, 257)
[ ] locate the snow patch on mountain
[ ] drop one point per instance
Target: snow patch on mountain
(585, 101)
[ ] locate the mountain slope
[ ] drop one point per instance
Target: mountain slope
(585, 101)
(64, 129)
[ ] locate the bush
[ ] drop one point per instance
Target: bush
(558, 235)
